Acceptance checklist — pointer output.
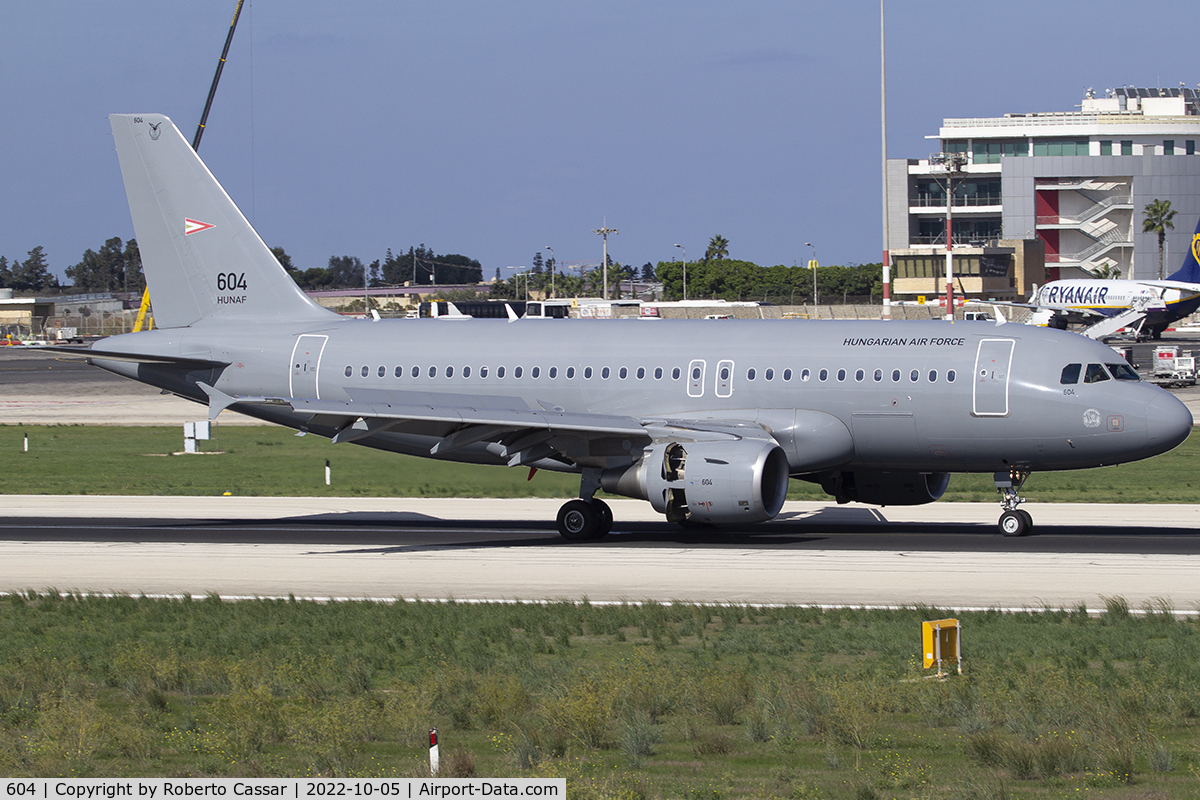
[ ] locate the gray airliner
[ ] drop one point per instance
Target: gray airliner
(705, 420)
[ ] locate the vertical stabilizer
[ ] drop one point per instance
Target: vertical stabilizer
(1190, 271)
(202, 259)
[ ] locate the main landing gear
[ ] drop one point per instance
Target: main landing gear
(1014, 521)
(586, 518)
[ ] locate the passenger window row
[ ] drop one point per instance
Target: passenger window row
(517, 372)
(877, 375)
(641, 372)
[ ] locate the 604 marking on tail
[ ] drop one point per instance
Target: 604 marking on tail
(228, 281)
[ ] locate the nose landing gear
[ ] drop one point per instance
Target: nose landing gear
(1014, 521)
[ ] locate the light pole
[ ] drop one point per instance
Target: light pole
(605, 231)
(553, 266)
(953, 163)
(518, 271)
(684, 249)
(813, 263)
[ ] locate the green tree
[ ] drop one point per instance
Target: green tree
(117, 267)
(33, 274)
(395, 270)
(730, 279)
(501, 289)
(6, 275)
(1156, 218)
(284, 259)
(457, 268)
(718, 248)
(346, 272)
(422, 265)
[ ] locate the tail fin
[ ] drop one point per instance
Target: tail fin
(202, 259)
(1190, 271)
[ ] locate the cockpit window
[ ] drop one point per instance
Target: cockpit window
(1094, 374)
(1070, 374)
(1123, 372)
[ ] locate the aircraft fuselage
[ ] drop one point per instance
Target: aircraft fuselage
(929, 396)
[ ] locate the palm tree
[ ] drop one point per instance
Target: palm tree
(1156, 218)
(1107, 272)
(718, 247)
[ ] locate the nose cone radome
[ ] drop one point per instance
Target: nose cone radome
(1168, 422)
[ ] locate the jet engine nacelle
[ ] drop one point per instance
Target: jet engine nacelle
(744, 480)
(886, 488)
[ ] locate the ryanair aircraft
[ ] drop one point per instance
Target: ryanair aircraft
(706, 420)
(1148, 307)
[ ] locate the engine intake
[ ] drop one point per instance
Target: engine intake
(743, 480)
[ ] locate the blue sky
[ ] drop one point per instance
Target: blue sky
(493, 129)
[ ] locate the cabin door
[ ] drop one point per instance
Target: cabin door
(992, 364)
(306, 358)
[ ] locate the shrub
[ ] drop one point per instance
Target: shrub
(639, 735)
(458, 763)
(984, 748)
(713, 744)
(582, 709)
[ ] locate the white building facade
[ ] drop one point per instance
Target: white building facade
(1072, 185)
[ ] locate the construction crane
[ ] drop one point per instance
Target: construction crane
(212, 91)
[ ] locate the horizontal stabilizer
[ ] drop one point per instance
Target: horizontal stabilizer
(135, 358)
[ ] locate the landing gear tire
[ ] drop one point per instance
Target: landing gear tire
(604, 517)
(578, 521)
(1028, 519)
(1014, 523)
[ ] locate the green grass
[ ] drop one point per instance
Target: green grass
(651, 701)
(253, 460)
(271, 461)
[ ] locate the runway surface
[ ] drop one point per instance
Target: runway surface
(945, 555)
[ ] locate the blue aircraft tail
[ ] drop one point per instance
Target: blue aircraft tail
(1190, 271)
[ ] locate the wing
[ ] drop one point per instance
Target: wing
(1042, 313)
(511, 429)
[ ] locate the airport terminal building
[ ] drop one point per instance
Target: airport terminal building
(1047, 195)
